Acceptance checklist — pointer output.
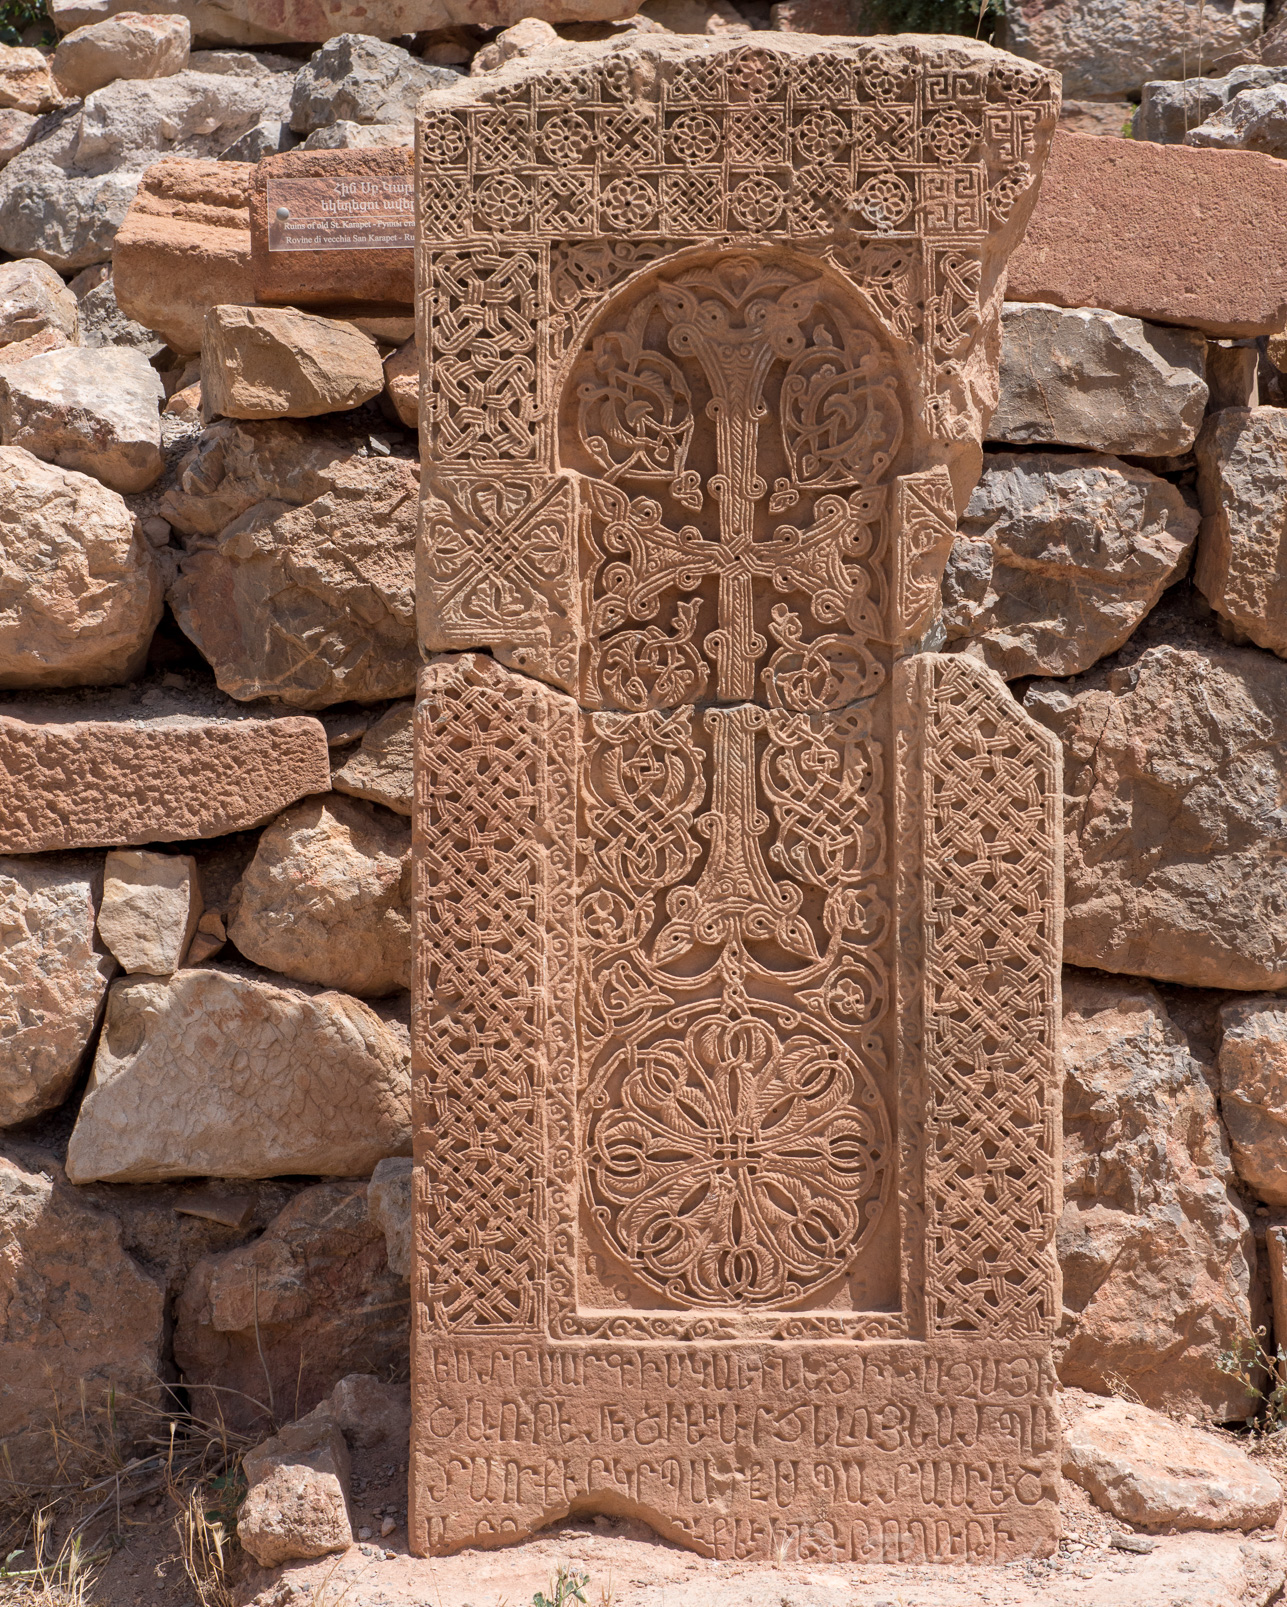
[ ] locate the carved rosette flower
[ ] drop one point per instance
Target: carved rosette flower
(732, 1167)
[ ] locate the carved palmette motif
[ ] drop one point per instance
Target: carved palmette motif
(737, 909)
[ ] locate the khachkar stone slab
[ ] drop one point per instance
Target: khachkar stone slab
(738, 916)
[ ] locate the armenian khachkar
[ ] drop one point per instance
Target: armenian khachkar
(738, 906)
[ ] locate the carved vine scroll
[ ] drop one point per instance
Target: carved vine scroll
(737, 909)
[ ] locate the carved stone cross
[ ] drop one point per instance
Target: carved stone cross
(737, 904)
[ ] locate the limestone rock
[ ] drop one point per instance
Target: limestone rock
(381, 768)
(402, 383)
(313, 605)
(26, 82)
(1169, 108)
(1161, 232)
(1151, 1472)
(93, 410)
(184, 245)
(53, 978)
(18, 351)
(221, 1073)
(1106, 50)
(1253, 120)
(119, 770)
(82, 1321)
(34, 298)
(367, 1410)
(1253, 1094)
(358, 79)
(265, 139)
(104, 324)
(327, 1305)
(1155, 1246)
(151, 906)
(346, 136)
(80, 592)
(236, 465)
(1059, 557)
(297, 1501)
(1175, 768)
(65, 196)
(275, 362)
(1095, 379)
(15, 130)
(129, 45)
(388, 1199)
(523, 39)
(327, 897)
(1242, 553)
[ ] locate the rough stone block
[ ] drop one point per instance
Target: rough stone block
(103, 771)
(150, 909)
(297, 1502)
(1253, 1095)
(1160, 232)
(184, 247)
(1241, 567)
(1094, 379)
(381, 768)
(33, 298)
(359, 79)
(128, 45)
(275, 362)
(26, 82)
(80, 590)
(53, 978)
(219, 1073)
(1252, 120)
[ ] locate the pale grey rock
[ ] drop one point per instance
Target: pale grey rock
(80, 591)
(53, 978)
(1158, 1474)
(1059, 557)
(314, 605)
(102, 323)
(327, 897)
(217, 1072)
(525, 38)
(1081, 376)
(355, 78)
(242, 64)
(380, 770)
(1155, 1247)
(296, 1505)
(94, 410)
(1175, 771)
(131, 45)
(368, 1411)
(150, 909)
(15, 130)
(1169, 108)
(346, 136)
(388, 1201)
(33, 298)
(265, 139)
(1253, 1092)
(1107, 48)
(64, 197)
(1242, 549)
(1253, 120)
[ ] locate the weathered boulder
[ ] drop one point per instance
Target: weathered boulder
(402, 383)
(296, 1505)
(1155, 1246)
(346, 136)
(147, 766)
(129, 45)
(1106, 50)
(368, 1411)
(1059, 557)
(80, 592)
(327, 897)
(1253, 1094)
(275, 362)
(388, 1200)
(1175, 768)
(34, 298)
(327, 1305)
(1162, 232)
(1169, 107)
(53, 978)
(183, 246)
(1095, 379)
(525, 38)
(381, 768)
(96, 410)
(15, 130)
(224, 1073)
(65, 196)
(1252, 120)
(266, 139)
(313, 605)
(1156, 1474)
(356, 78)
(150, 909)
(26, 82)
(82, 1321)
(1241, 567)
(102, 323)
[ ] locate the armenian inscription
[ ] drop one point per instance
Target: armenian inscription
(737, 908)
(331, 213)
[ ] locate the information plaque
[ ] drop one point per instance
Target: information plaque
(332, 212)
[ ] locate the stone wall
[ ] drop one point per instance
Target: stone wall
(208, 650)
